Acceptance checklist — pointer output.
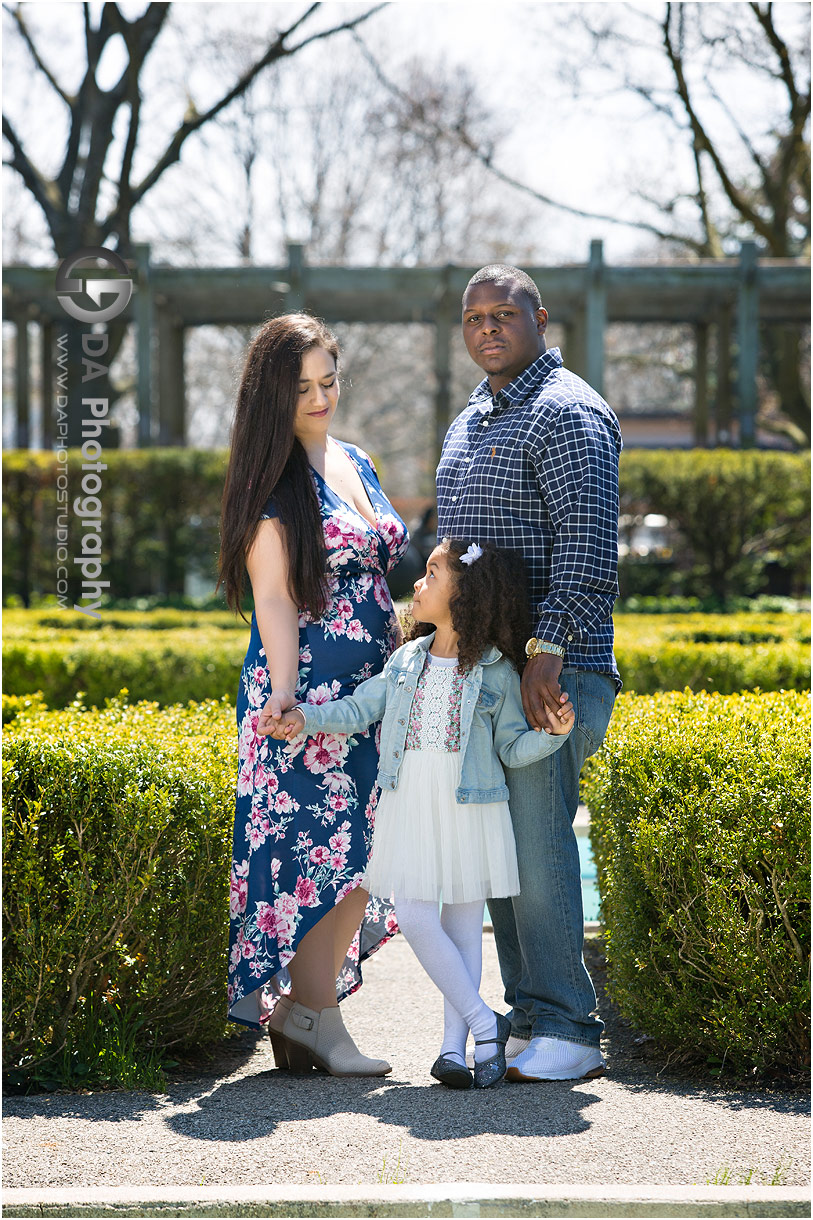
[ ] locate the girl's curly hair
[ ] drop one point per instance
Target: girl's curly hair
(489, 605)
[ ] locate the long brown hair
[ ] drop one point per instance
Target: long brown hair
(266, 459)
(489, 605)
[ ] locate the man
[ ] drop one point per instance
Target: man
(532, 465)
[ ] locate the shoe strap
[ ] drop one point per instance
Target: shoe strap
(499, 1041)
(299, 1018)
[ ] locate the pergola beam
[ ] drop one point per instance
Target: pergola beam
(584, 299)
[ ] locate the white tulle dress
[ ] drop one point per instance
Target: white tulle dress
(425, 845)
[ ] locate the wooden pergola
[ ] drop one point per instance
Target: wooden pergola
(732, 296)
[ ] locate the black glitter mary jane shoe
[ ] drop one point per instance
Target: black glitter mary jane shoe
(451, 1073)
(491, 1071)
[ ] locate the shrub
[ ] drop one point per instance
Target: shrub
(117, 834)
(722, 652)
(699, 808)
(44, 621)
(160, 513)
(172, 656)
(166, 666)
(735, 512)
(722, 667)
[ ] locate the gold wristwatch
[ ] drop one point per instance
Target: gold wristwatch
(534, 647)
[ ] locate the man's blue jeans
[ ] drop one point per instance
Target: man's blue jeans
(540, 933)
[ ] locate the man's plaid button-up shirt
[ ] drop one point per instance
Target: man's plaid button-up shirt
(534, 469)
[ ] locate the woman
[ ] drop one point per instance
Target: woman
(305, 516)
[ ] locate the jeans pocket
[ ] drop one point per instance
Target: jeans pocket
(595, 695)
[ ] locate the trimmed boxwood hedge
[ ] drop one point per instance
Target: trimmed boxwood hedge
(734, 511)
(173, 656)
(117, 831)
(166, 666)
(117, 834)
(700, 826)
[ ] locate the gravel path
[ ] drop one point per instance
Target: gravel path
(245, 1123)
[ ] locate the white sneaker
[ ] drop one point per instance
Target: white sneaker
(554, 1059)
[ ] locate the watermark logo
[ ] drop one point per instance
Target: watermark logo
(68, 285)
(88, 507)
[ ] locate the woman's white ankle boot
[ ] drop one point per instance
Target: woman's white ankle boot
(323, 1034)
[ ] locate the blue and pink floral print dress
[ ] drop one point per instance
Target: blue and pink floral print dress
(304, 819)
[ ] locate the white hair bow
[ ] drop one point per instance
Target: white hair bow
(474, 552)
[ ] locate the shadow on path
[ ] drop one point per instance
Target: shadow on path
(254, 1106)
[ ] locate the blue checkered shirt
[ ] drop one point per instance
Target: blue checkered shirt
(535, 469)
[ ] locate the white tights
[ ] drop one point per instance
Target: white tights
(449, 946)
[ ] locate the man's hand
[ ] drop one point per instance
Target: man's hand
(541, 692)
(270, 716)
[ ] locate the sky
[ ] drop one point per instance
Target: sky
(567, 137)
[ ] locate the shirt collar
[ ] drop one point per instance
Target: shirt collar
(424, 642)
(518, 389)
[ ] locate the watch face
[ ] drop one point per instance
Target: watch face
(530, 647)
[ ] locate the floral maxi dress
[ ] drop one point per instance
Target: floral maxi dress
(304, 819)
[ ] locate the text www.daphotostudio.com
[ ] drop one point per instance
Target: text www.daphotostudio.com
(72, 289)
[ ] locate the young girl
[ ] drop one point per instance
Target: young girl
(451, 708)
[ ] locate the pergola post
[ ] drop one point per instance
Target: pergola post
(701, 385)
(574, 346)
(595, 317)
(747, 342)
(144, 321)
(443, 339)
(171, 380)
(22, 382)
(722, 403)
(47, 383)
(295, 296)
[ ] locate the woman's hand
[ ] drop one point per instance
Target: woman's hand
(268, 724)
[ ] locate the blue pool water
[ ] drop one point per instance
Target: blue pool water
(589, 887)
(588, 867)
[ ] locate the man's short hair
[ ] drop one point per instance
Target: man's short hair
(502, 273)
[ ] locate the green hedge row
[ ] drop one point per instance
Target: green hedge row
(117, 828)
(173, 656)
(744, 627)
(700, 825)
(160, 510)
(738, 514)
(165, 666)
(117, 833)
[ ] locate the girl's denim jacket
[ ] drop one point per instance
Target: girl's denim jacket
(492, 724)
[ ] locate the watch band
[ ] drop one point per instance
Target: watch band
(534, 647)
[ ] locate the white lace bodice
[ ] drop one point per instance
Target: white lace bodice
(434, 722)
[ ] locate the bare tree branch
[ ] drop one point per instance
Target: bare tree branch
(701, 139)
(484, 156)
(764, 15)
(194, 121)
(35, 55)
(139, 37)
(743, 135)
(45, 192)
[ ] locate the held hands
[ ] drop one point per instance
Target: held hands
(545, 704)
(290, 724)
(561, 722)
(269, 721)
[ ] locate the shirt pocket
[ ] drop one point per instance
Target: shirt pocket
(486, 699)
